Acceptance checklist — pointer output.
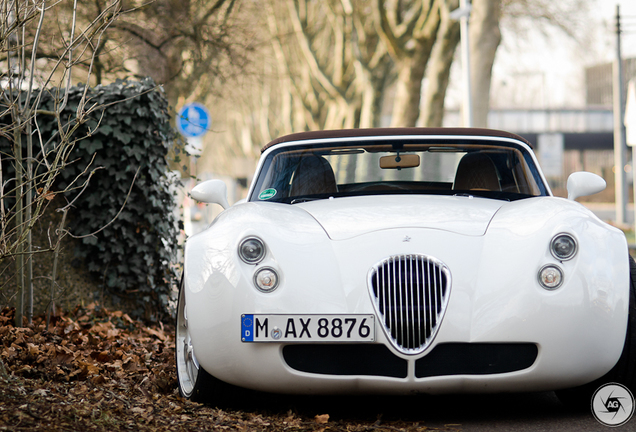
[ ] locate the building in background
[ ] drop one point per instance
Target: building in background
(598, 82)
(573, 139)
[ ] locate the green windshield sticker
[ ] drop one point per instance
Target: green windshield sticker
(267, 194)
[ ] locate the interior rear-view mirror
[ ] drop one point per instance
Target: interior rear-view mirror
(400, 161)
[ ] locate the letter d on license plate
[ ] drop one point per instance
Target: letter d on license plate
(307, 328)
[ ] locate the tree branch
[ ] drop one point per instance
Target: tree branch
(309, 54)
(385, 30)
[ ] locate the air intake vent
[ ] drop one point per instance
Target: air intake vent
(410, 293)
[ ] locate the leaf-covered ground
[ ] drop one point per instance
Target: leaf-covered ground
(95, 370)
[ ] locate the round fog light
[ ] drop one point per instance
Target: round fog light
(550, 277)
(252, 250)
(266, 279)
(563, 247)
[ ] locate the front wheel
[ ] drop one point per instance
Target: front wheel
(194, 382)
(624, 372)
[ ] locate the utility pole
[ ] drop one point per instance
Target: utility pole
(619, 129)
(630, 130)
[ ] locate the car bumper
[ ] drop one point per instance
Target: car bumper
(576, 333)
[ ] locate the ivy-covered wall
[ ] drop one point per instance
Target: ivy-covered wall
(123, 147)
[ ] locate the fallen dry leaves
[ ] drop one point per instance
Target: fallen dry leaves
(95, 370)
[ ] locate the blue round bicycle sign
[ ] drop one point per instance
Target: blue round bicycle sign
(193, 120)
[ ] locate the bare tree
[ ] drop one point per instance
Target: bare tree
(373, 64)
(485, 36)
(187, 46)
(23, 82)
(330, 67)
(409, 30)
(439, 66)
(327, 68)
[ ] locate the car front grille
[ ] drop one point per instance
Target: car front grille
(410, 294)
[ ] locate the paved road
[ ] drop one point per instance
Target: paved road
(463, 413)
(516, 412)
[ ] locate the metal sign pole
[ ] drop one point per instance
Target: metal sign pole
(465, 47)
(630, 131)
(462, 13)
(619, 131)
(193, 121)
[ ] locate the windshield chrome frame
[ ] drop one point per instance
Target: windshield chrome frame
(420, 138)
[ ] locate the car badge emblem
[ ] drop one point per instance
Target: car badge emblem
(406, 239)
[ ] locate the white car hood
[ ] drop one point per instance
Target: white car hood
(344, 218)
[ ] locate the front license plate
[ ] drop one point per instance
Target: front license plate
(307, 328)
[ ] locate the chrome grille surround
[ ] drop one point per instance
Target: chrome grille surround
(410, 294)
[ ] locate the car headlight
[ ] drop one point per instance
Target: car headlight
(550, 277)
(266, 279)
(563, 247)
(252, 250)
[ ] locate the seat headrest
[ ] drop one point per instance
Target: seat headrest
(476, 171)
(313, 175)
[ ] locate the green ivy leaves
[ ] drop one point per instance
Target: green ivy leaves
(129, 134)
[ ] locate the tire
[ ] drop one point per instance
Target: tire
(194, 382)
(624, 372)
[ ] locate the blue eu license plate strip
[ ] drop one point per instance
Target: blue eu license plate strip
(307, 328)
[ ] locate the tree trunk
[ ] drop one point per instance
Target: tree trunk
(438, 71)
(372, 94)
(485, 37)
(406, 106)
(368, 112)
(408, 32)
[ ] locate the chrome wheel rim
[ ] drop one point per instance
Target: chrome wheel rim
(187, 365)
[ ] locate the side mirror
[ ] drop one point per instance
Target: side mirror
(583, 184)
(211, 192)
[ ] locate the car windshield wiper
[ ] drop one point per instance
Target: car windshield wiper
(492, 195)
(304, 199)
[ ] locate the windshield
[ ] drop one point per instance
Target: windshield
(298, 174)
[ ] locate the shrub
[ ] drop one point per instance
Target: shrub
(125, 215)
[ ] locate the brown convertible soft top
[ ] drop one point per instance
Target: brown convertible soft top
(347, 133)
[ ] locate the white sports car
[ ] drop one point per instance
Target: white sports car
(403, 261)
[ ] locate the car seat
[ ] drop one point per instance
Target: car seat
(313, 175)
(476, 171)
